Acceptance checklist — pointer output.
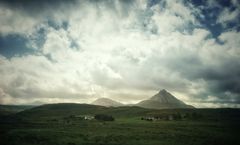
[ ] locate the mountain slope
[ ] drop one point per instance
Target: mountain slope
(106, 102)
(163, 100)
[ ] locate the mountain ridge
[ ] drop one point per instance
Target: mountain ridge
(162, 100)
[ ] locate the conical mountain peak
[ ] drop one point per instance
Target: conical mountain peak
(163, 91)
(163, 99)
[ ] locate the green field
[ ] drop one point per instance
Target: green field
(51, 125)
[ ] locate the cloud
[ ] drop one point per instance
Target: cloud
(125, 50)
(16, 21)
(227, 16)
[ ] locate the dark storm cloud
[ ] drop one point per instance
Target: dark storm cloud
(226, 76)
(220, 78)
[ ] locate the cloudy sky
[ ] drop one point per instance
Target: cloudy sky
(77, 51)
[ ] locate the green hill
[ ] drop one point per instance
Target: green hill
(11, 109)
(61, 110)
(63, 124)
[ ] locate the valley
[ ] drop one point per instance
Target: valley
(59, 124)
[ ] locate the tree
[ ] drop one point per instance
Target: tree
(103, 117)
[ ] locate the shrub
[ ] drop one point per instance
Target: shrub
(103, 117)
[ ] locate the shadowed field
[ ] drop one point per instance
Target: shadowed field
(54, 125)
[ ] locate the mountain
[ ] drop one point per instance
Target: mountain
(163, 100)
(106, 102)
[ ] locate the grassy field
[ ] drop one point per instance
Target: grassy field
(34, 127)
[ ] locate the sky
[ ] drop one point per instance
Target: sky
(125, 50)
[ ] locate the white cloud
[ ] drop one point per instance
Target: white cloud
(16, 21)
(126, 52)
(228, 16)
(57, 44)
(232, 41)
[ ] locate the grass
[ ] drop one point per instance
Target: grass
(217, 127)
(122, 131)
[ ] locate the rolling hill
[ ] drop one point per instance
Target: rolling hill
(11, 109)
(60, 110)
(106, 102)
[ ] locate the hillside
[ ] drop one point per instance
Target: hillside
(62, 110)
(53, 124)
(163, 100)
(11, 109)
